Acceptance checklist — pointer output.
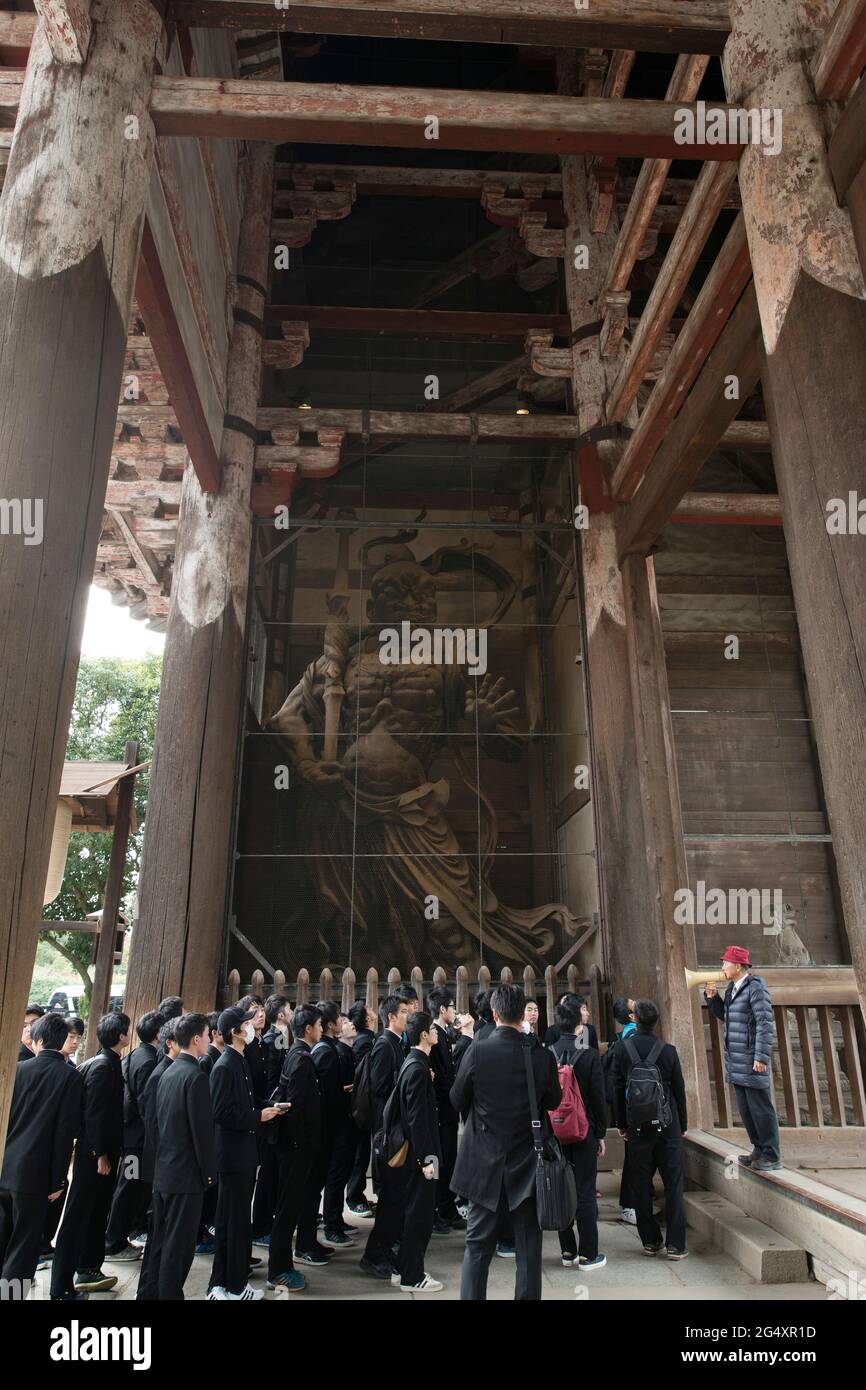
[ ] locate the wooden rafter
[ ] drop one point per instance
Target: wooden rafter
(842, 55)
(431, 324)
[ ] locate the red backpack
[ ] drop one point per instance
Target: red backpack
(569, 1121)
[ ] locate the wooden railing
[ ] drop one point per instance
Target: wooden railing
(373, 987)
(819, 1052)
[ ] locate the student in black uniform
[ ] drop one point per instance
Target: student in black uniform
(364, 1022)
(184, 1168)
(25, 1047)
(238, 1121)
(298, 1141)
(132, 1194)
(586, 1035)
(276, 1041)
(465, 1025)
(150, 1115)
(484, 1023)
(337, 1153)
(170, 1008)
(654, 1147)
(44, 1121)
(583, 1156)
(215, 1047)
(440, 1002)
(386, 1060)
(420, 1121)
(55, 1209)
(80, 1247)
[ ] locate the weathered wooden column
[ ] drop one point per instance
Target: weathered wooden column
(70, 228)
(177, 940)
(813, 316)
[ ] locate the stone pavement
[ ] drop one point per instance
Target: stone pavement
(708, 1273)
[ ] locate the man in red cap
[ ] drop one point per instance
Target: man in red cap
(747, 1013)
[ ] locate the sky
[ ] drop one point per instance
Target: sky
(110, 631)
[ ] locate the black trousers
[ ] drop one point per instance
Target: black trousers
(208, 1213)
(421, 1199)
(80, 1243)
(356, 1188)
(22, 1217)
(626, 1191)
(265, 1200)
(171, 1243)
(663, 1150)
(129, 1205)
(481, 1233)
(339, 1170)
(762, 1126)
(584, 1161)
(292, 1168)
(307, 1217)
(390, 1215)
(446, 1207)
(233, 1231)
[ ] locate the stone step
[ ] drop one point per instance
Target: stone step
(765, 1255)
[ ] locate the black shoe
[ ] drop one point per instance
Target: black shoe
(441, 1228)
(378, 1271)
(362, 1209)
(339, 1240)
(317, 1256)
(748, 1159)
(75, 1296)
(766, 1165)
(456, 1222)
(653, 1249)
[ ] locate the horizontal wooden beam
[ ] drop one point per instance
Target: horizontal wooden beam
(16, 36)
(401, 116)
(730, 509)
(663, 26)
(397, 424)
(417, 323)
(841, 57)
(401, 182)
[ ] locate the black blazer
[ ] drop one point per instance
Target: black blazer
(442, 1066)
(386, 1060)
(274, 1044)
(362, 1044)
(418, 1110)
(185, 1157)
(150, 1117)
(210, 1059)
(461, 1047)
(237, 1118)
(483, 1029)
(491, 1093)
(669, 1069)
(136, 1070)
(255, 1056)
(102, 1130)
(586, 1065)
(335, 1101)
(301, 1128)
(44, 1122)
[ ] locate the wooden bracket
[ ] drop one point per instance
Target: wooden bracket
(544, 358)
(287, 352)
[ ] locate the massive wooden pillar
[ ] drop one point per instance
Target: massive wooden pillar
(70, 227)
(177, 940)
(813, 316)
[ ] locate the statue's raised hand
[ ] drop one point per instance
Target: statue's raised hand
(320, 774)
(492, 705)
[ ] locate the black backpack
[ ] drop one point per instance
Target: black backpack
(645, 1102)
(362, 1095)
(391, 1143)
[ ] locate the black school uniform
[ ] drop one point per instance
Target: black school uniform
(298, 1142)
(183, 1171)
(386, 1059)
(150, 1115)
(419, 1114)
(444, 1072)
(237, 1124)
(356, 1187)
(650, 1149)
(132, 1193)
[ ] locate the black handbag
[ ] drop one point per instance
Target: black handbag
(555, 1189)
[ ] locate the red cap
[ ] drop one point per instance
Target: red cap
(737, 955)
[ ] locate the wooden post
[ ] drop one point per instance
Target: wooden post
(813, 317)
(185, 871)
(105, 941)
(670, 946)
(70, 229)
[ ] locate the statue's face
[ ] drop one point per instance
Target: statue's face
(402, 592)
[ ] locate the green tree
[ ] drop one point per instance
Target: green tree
(114, 701)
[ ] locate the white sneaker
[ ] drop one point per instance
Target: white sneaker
(628, 1216)
(395, 1280)
(428, 1285)
(216, 1294)
(247, 1295)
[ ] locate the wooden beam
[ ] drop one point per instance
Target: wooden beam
(16, 36)
(484, 388)
(320, 113)
(697, 222)
(842, 56)
(384, 424)
(67, 28)
(417, 323)
(719, 293)
(135, 550)
(662, 26)
(730, 508)
(697, 429)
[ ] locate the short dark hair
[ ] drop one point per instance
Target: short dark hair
(189, 1026)
(35, 1011)
(419, 1023)
(358, 1015)
(51, 1030)
(172, 1007)
(111, 1028)
(304, 1017)
(148, 1026)
(566, 1018)
(646, 1015)
(75, 1024)
(390, 1008)
(273, 1006)
(509, 1002)
(621, 1011)
(329, 1011)
(213, 1022)
(251, 1000)
(167, 1031)
(482, 1005)
(407, 994)
(439, 998)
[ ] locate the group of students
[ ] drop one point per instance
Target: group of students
(231, 1132)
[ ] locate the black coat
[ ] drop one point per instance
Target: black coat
(483, 1029)
(442, 1066)
(237, 1119)
(301, 1128)
(136, 1070)
(102, 1128)
(418, 1110)
(210, 1059)
(44, 1122)
(274, 1043)
(386, 1060)
(335, 1101)
(255, 1056)
(362, 1044)
(185, 1156)
(150, 1116)
(670, 1071)
(586, 1065)
(461, 1047)
(492, 1094)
